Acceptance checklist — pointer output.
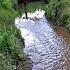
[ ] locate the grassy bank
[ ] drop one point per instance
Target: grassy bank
(11, 51)
(59, 12)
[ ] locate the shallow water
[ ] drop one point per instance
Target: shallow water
(44, 46)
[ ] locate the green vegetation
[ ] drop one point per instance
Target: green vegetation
(52, 9)
(59, 12)
(31, 6)
(11, 51)
(66, 14)
(7, 12)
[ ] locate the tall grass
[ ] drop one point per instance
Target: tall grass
(10, 48)
(59, 11)
(11, 51)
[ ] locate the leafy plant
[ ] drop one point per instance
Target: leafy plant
(11, 51)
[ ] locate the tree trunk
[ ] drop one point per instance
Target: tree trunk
(25, 6)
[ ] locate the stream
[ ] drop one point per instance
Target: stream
(46, 47)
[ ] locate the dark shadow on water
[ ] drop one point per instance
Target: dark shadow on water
(26, 63)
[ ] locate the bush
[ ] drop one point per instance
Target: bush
(53, 9)
(9, 4)
(11, 51)
(58, 10)
(10, 47)
(6, 16)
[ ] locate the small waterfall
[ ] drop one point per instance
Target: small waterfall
(44, 47)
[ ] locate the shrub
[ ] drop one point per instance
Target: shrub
(53, 9)
(11, 51)
(58, 10)
(9, 4)
(10, 47)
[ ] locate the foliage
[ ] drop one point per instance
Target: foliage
(10, 47)
(11, 51)
(6, 16)
(8, 4)
(58, 10)
(66, 14)
(52, 9)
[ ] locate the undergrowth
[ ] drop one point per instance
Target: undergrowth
(11, 51)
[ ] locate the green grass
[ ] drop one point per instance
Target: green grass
(7, 16)
(10, 48)
(11, 51)
(66, 14)
(63, 12)
(10, 39)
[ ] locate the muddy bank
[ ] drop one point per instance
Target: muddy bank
(62, 32)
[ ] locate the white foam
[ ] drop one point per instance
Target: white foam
(37, 14)
(28, 36)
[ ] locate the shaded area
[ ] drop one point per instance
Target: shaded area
(25, 64)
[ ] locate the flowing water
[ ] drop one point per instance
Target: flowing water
(44, 46)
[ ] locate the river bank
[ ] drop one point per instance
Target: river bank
(62, 32)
